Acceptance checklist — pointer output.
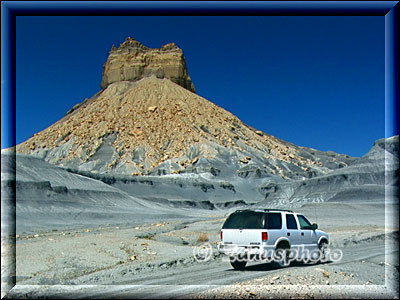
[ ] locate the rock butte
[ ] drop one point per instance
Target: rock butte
(147, 120)
(132, 61)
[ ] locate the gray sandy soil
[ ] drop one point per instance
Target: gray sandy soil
(156, 260)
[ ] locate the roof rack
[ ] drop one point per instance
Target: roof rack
(264, 209)
(269, 209)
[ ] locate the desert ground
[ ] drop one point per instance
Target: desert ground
(156, 260)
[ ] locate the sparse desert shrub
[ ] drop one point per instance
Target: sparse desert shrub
(146, 236)
(202, 238)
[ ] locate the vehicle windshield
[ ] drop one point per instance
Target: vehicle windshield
(253, 220)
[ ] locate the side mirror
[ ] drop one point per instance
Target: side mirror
(314, 226)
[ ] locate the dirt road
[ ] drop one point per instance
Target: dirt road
(164, 265)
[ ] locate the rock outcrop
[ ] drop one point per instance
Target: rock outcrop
(132, 61)
(147, 121)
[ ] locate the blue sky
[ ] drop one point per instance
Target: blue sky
(312, 81)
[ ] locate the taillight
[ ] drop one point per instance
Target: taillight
(220, 235)
(264, 236)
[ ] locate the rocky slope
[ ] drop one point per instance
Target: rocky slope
(374, 176)
(156, 127)
(48, 197)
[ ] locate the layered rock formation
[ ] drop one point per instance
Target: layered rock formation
(132, 61)
(148, 121)
(41, 196)
(374, 176)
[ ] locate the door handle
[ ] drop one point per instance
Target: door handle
(302, 233)
(288, 233)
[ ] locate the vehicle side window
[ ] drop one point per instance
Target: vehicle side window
(273, 221)
(304, 223)
(291, 222)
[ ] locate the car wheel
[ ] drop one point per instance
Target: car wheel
(323, 249)
(282, 257)
(238, 264)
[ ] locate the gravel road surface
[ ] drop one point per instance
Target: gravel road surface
(157, 261)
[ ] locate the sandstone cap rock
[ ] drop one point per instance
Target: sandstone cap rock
(132, 61)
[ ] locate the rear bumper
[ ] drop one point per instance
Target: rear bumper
(238, 250)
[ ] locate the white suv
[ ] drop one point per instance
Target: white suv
(274, 235)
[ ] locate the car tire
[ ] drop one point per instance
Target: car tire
(238, 264)
(282, 257)
(323, 249)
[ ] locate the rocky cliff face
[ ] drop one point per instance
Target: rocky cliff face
(132, 61)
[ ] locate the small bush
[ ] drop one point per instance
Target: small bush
(146, 236)
(202, 238)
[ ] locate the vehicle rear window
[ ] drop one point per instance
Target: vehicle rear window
(245, 220)
(274, 221)
(253, 220)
